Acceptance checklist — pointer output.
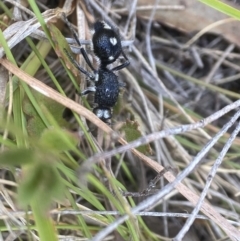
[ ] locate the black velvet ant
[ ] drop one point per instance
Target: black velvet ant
(107, 48)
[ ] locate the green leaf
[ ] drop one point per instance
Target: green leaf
(59, 140)
(132, 133)
(41, 183)
(35, 125)
(17, 157)
(60, 44)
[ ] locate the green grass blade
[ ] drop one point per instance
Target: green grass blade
(222, 7)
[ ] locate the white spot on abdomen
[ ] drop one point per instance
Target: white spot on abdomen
(113, 41)
(105, 25)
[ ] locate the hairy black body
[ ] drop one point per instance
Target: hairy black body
(107, 48)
